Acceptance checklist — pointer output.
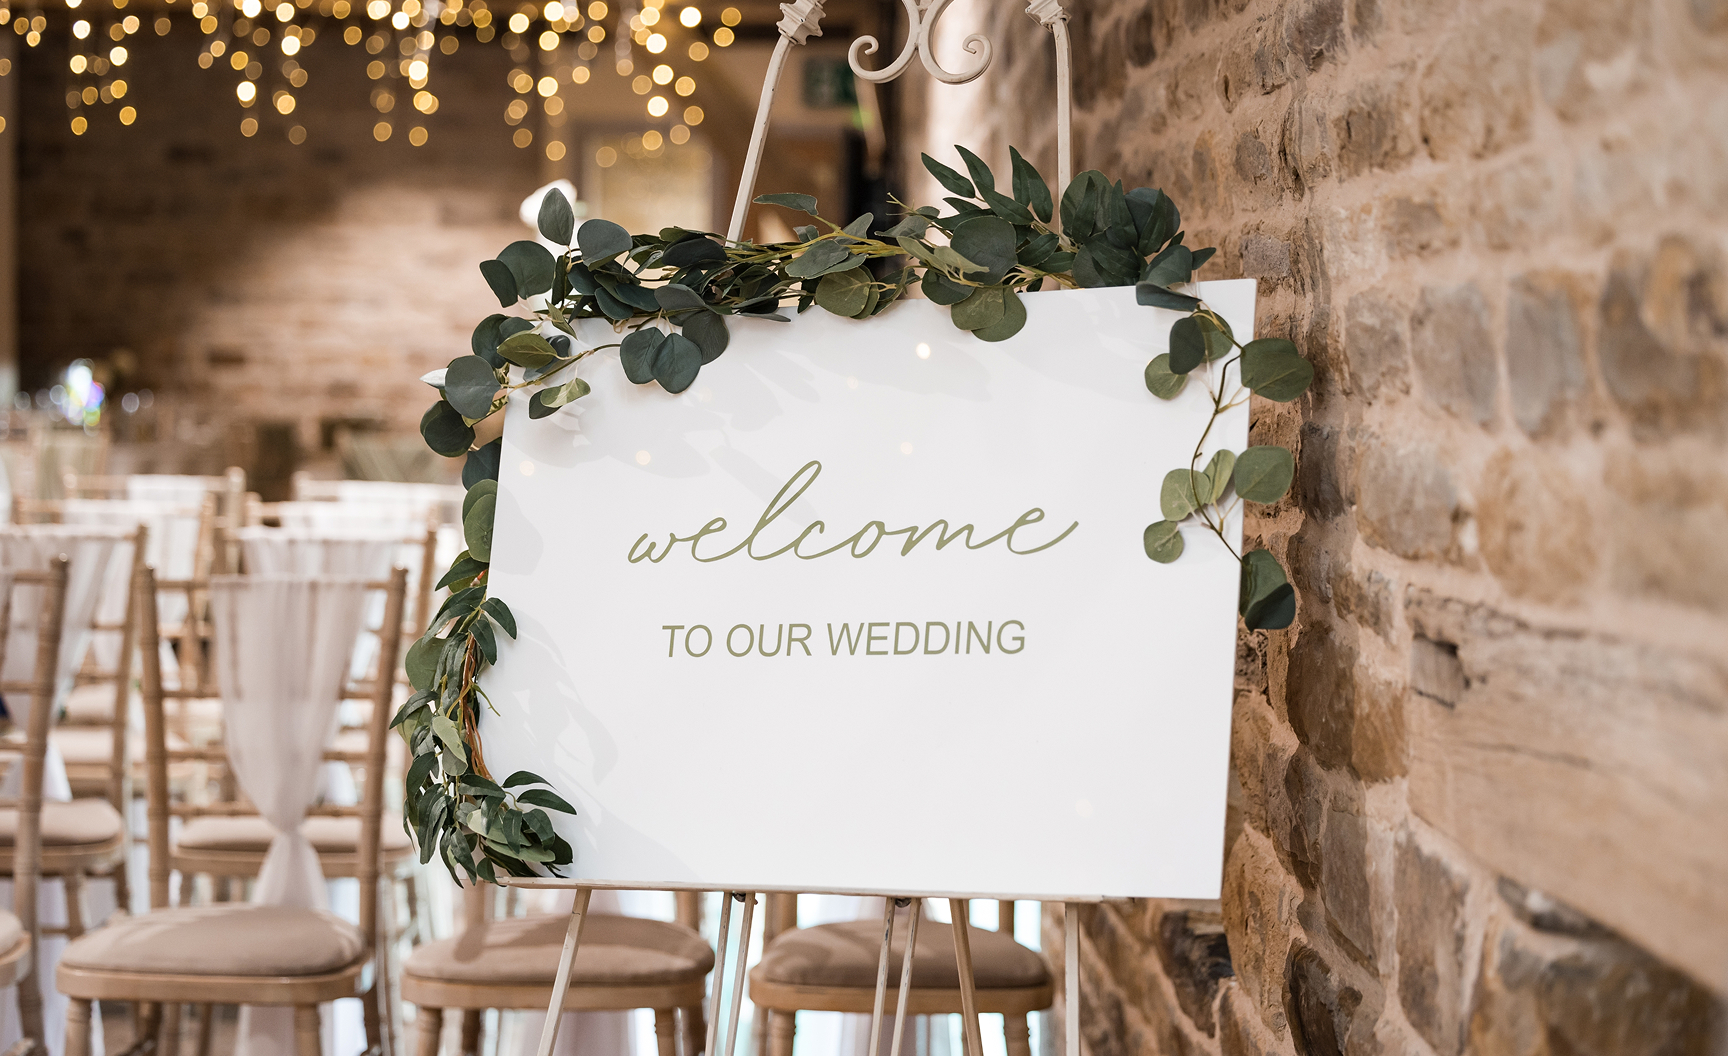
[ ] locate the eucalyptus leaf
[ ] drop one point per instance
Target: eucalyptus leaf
(1163, 541)
(677, 363)
(1029, 187)
(482, 463)
(802, 202)
(1201, 256)
(636, 296)
(483, 635)
(1177, 497)
(860, 225)
(524, 777)
(1266, 600)
(1271, 367)
(987, 241)
(1153, 296)
(600, 241)
(484, 342)
(500, 612)
(1171, 267)
(941, 290)
(1263, 473)
(475, 494)
(982, 178)
(469, 385)
(462, 570)
(444, 430)
(1161, 381)
(527, 349)
(844, 293)
(817, 260)
(1080, 205)
(709, 332)
(422, 661)
(912, 226)
(984, 307)
(557, 221)
(502, 280)
(1013, 318)
(637, 351)
(547, 401)
(477, 527)
(1187, 346)
(1038, 250)
(693, 252)
(541, 797)
(1007, 208)
(448, 732)
(1216, 333)
(1218, 472)
(531, 264)
(948, 178)
(674, 297)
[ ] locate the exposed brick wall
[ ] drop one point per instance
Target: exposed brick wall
(1478, 786)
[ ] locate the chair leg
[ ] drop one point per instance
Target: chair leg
(429, 1029)
(471, 1022)
(695, 1030)
(666, 1031)
(77, 1027)
(1017, 1035)
(206, 1024)
(30, 996)
(781, 1027)
(306, 1031)
(74, 885)
(389, 985)
(170, 1029)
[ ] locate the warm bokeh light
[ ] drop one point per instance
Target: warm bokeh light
(553, 11)
(650, 16)
(658, 106)
(731, 16)
(351, 36)
(651, 140)
(79, 125)
(548, 86)
(117, 56)
(117, 89)
(522, 138)
(79, 63)
(679, 135)
(297, 135)
(417, 136)
(642, 85)
(128, 115)
(381, 131)
(518, 23)
(246, 91)
(723, 37)
(662, 74)
(597, 10)
(698, 51)
(693, 115)
(579, 75)
(548, 41)
(691, 17)
(80, 29)
(685, 85)
(284, 103)
(606, 157)
(554, 151)
(290, 45)
(655, 43)
(417, 70)
(596, 34)
(249, 127)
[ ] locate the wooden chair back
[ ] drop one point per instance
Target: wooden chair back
(161, 808)
(27, 845)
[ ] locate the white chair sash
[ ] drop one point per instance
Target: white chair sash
(168, 487)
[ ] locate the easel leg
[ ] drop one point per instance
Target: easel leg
(719, 972)
(1071, 977)
(561, 982)
(881, 977)
(905, 977)
(961, 910)
(737, 974)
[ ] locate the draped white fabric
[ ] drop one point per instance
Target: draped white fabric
(171, 548)
(89, 552)
(339, 518)
(168, 487)
(289, 551)
(282, 646)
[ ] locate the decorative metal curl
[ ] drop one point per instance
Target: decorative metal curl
(921, 16)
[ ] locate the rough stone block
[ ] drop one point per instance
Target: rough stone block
(1535, 529)
(1544, 349)
(1476, 90)
(1453, 350)
(1667, 505)
(1432, 933)
(1662, 328)
(1405, 501)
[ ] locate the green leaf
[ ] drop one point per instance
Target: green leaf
(1007, 208)
(1201, 256)
(487, 639)
(469, 385)
(982, 178)
(860, 225)
(486, 338)
(444, 430)
(1013, 318)
(447, 731)
(1080, 205)
(692, 252)
(483, 787)
(495, 608)
(600, 241)
(524, 777)
(911, 226)
(482, 463)
(984, 307)
(418, 771)
(1266, 601)
(637, 352)
(674, 297)
(545, 402)
(613, 308)
(1218, 472)
(987, 241)
(422, 662)
(1178, 497)
(709, 332)
(1217, 334)
(1263, 474)
(543, 797)
(947, 177)
(941, 290)
(677, 363)
(802, 202)
(1187, 346)
(501, 279)
(1152, 296)
(1163, 541)
(636, 296)
(819, 259)
(464, 568)
(476, 493)
(557, 221)
(527, 349)
(1271, 367)
(531, 263)
(1161, 381)
(1170, 268)
(477, 527)
(844, 293)
(1029, 187)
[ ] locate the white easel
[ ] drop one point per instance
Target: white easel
(802, 20)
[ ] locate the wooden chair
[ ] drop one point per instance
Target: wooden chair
(232, 953)
(624, 963)
(20, 931)
(833, 968)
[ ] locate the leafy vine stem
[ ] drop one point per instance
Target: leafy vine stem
(669, 295)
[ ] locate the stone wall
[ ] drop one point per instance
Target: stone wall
(1478, 787)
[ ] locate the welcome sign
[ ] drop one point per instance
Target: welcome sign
(867, 608)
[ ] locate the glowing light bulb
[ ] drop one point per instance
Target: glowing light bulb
(690, 17)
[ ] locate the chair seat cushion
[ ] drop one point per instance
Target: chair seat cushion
(11, 930)
(250, 833)
(82, 822)
(91, 704)
(845, 955)
(228, 939)
(617, 951)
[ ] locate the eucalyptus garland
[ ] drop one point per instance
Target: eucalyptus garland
(668, 296)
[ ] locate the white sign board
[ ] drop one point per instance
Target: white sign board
(867, 609)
